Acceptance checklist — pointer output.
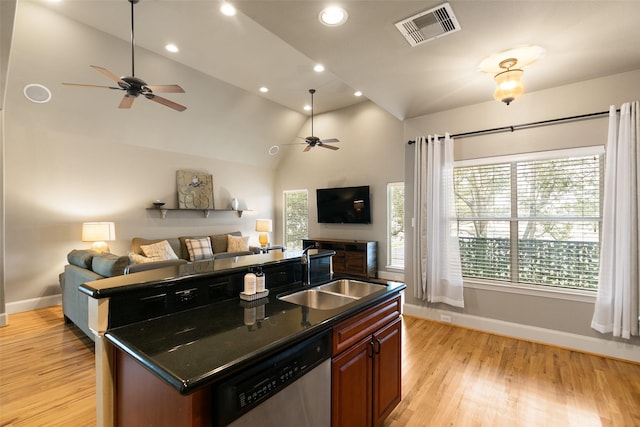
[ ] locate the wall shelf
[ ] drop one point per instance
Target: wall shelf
(205, 212)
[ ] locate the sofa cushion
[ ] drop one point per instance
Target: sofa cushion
(81, 257)
(141, 259)
(237, 243)
(144, 266)
(109, 265)
(199, 249)
(219, 242)
(161, 251)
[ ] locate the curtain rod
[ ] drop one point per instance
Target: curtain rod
(526, 125)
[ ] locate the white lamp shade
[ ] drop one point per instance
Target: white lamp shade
(98, 231)
(263, 225)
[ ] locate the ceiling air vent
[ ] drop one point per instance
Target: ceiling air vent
(429, 25)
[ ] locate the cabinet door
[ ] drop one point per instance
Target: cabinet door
(351, 375)
(387, 377)
(339, 262)
(356, 263)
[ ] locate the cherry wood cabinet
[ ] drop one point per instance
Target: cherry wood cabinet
(366, 367)
(143, 399)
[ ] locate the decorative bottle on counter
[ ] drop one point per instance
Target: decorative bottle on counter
(250, 283)
(260, 280)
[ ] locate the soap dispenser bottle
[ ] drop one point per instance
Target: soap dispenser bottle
(260, 280)
(250, 283)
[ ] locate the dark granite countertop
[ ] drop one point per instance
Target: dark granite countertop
(114, 285)
(197, 347)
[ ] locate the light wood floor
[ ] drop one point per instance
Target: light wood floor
(451, 377)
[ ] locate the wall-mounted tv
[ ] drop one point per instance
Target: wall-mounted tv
(345, 205)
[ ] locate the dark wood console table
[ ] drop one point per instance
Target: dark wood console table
(353, 257)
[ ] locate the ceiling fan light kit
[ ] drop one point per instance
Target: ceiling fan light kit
(134, 86)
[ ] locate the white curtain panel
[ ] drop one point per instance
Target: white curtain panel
(616, 309)
(437, 273)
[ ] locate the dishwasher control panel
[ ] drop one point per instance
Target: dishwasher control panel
(241, 392)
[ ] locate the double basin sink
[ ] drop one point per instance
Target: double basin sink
(333, 294)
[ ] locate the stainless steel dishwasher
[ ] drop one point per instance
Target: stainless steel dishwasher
(291, 388)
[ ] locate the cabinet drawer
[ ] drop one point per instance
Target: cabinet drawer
(359, 326)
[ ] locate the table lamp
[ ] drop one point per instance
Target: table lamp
(98, 233)
(264, 227)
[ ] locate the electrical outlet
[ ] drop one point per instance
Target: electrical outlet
(445, 318)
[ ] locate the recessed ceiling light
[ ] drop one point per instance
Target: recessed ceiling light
(318, 68)
(264, 89)
(333, 16)
(172, 48)
(357, 93)
(273, 150)
(228, 9)
(37, 93)
(307, 108)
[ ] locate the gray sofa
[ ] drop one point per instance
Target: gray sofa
(86, 265)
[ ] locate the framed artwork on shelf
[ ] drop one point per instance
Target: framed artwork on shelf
(195, 189)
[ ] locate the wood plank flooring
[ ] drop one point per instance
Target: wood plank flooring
(459, 377)
(47, 374)
(451, 377)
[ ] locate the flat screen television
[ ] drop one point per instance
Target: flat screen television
(345, 205)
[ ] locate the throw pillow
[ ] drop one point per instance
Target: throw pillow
(237, 243)
(199, 249)
(160, 250)
(219, 241)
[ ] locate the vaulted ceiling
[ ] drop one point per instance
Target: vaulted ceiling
(276, 44)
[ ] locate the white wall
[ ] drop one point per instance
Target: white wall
(80, 158)
(371, 153)
(7, 13)
(553, 312)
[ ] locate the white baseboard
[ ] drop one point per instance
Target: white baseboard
(614, 349)
(33, 304)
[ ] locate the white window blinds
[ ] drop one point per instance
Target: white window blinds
(532, 221)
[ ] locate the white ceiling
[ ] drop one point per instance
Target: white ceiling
(276, 43)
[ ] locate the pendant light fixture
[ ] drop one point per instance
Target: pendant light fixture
(509, 82)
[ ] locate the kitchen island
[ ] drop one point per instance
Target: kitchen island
(163, 369)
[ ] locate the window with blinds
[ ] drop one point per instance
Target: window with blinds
(532, 219)
(296, 218)
(395, 225)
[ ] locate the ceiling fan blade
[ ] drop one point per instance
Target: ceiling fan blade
(164, 101)
(84, 85)
(324, 141)
(166, 88)
(330, 147)
(108, 74)
(307, 148)
(127, 101)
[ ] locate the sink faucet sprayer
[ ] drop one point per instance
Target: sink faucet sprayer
(305, 262)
